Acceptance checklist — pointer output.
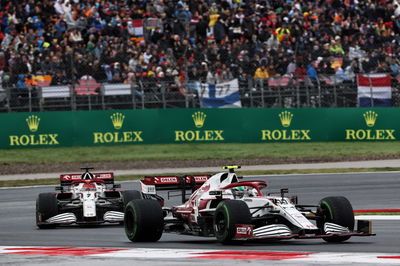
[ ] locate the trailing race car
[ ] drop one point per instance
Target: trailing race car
(220, 206)
(88, 198)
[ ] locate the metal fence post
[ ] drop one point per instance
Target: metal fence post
(143, 93)
(8, 95)
(308, 94)
(250, 88)
(319, 92)
(262, 90)
(40, 98)
(88, 94)
(73, 97)
(163, 99)
(371, 90)
(297, 91)
(102, 90)
(334, 91)
(30, 99)
(133, 91)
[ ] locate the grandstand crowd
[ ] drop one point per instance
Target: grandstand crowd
(117, 41)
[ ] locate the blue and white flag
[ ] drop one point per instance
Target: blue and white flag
(221, 95)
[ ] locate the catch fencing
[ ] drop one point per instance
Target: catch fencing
(278, 92)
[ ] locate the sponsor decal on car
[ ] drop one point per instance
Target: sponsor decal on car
(199, 178)
(72, 177)
(147, 189)
(244, 231)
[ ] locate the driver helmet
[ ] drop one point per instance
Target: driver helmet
(89, 187)
(248, 191)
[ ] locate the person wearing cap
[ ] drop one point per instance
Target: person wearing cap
(256, 26)
(214, 8)
(325, 52)
(336, 47)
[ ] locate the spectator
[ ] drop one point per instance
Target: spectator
(340, 75)
(261, 72)
(212, 76)
(312, 71)
(220, 39)
(394, 67)
(336, 47)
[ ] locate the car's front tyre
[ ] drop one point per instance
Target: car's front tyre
(337, 210)
(227, 215)
(143, 220)
(46, 207)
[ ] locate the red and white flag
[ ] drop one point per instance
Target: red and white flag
(138, 27)
(374, 90)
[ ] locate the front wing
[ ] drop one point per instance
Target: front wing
(309, 236)
(68, 218)
(247, 232)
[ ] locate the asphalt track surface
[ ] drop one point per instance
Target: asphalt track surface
(364, 190)
(293, 166)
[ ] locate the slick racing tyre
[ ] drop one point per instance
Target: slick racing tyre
(46, 207)
(129, 195)
(228, 214)
(144, 220)
(337, 210)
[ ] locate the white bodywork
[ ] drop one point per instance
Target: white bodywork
(88, 195)
(278, 205)
(272, 216)
(281, 205)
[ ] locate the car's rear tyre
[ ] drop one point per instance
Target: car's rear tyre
(46, 207)
(337, 210)
(144, 220)
(129, 195)
(228, 214)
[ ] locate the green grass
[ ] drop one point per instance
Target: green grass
(301, 151)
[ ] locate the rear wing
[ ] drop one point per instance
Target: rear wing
(150, 184)
(67, 179)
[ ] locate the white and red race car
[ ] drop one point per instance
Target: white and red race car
(88, 198)
(223, 207)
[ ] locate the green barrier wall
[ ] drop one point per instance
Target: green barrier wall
(85, 128)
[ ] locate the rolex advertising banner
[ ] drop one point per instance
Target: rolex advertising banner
(132, 127)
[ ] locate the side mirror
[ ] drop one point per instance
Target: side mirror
(117, 186)
(216, 193)
(61, 188)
